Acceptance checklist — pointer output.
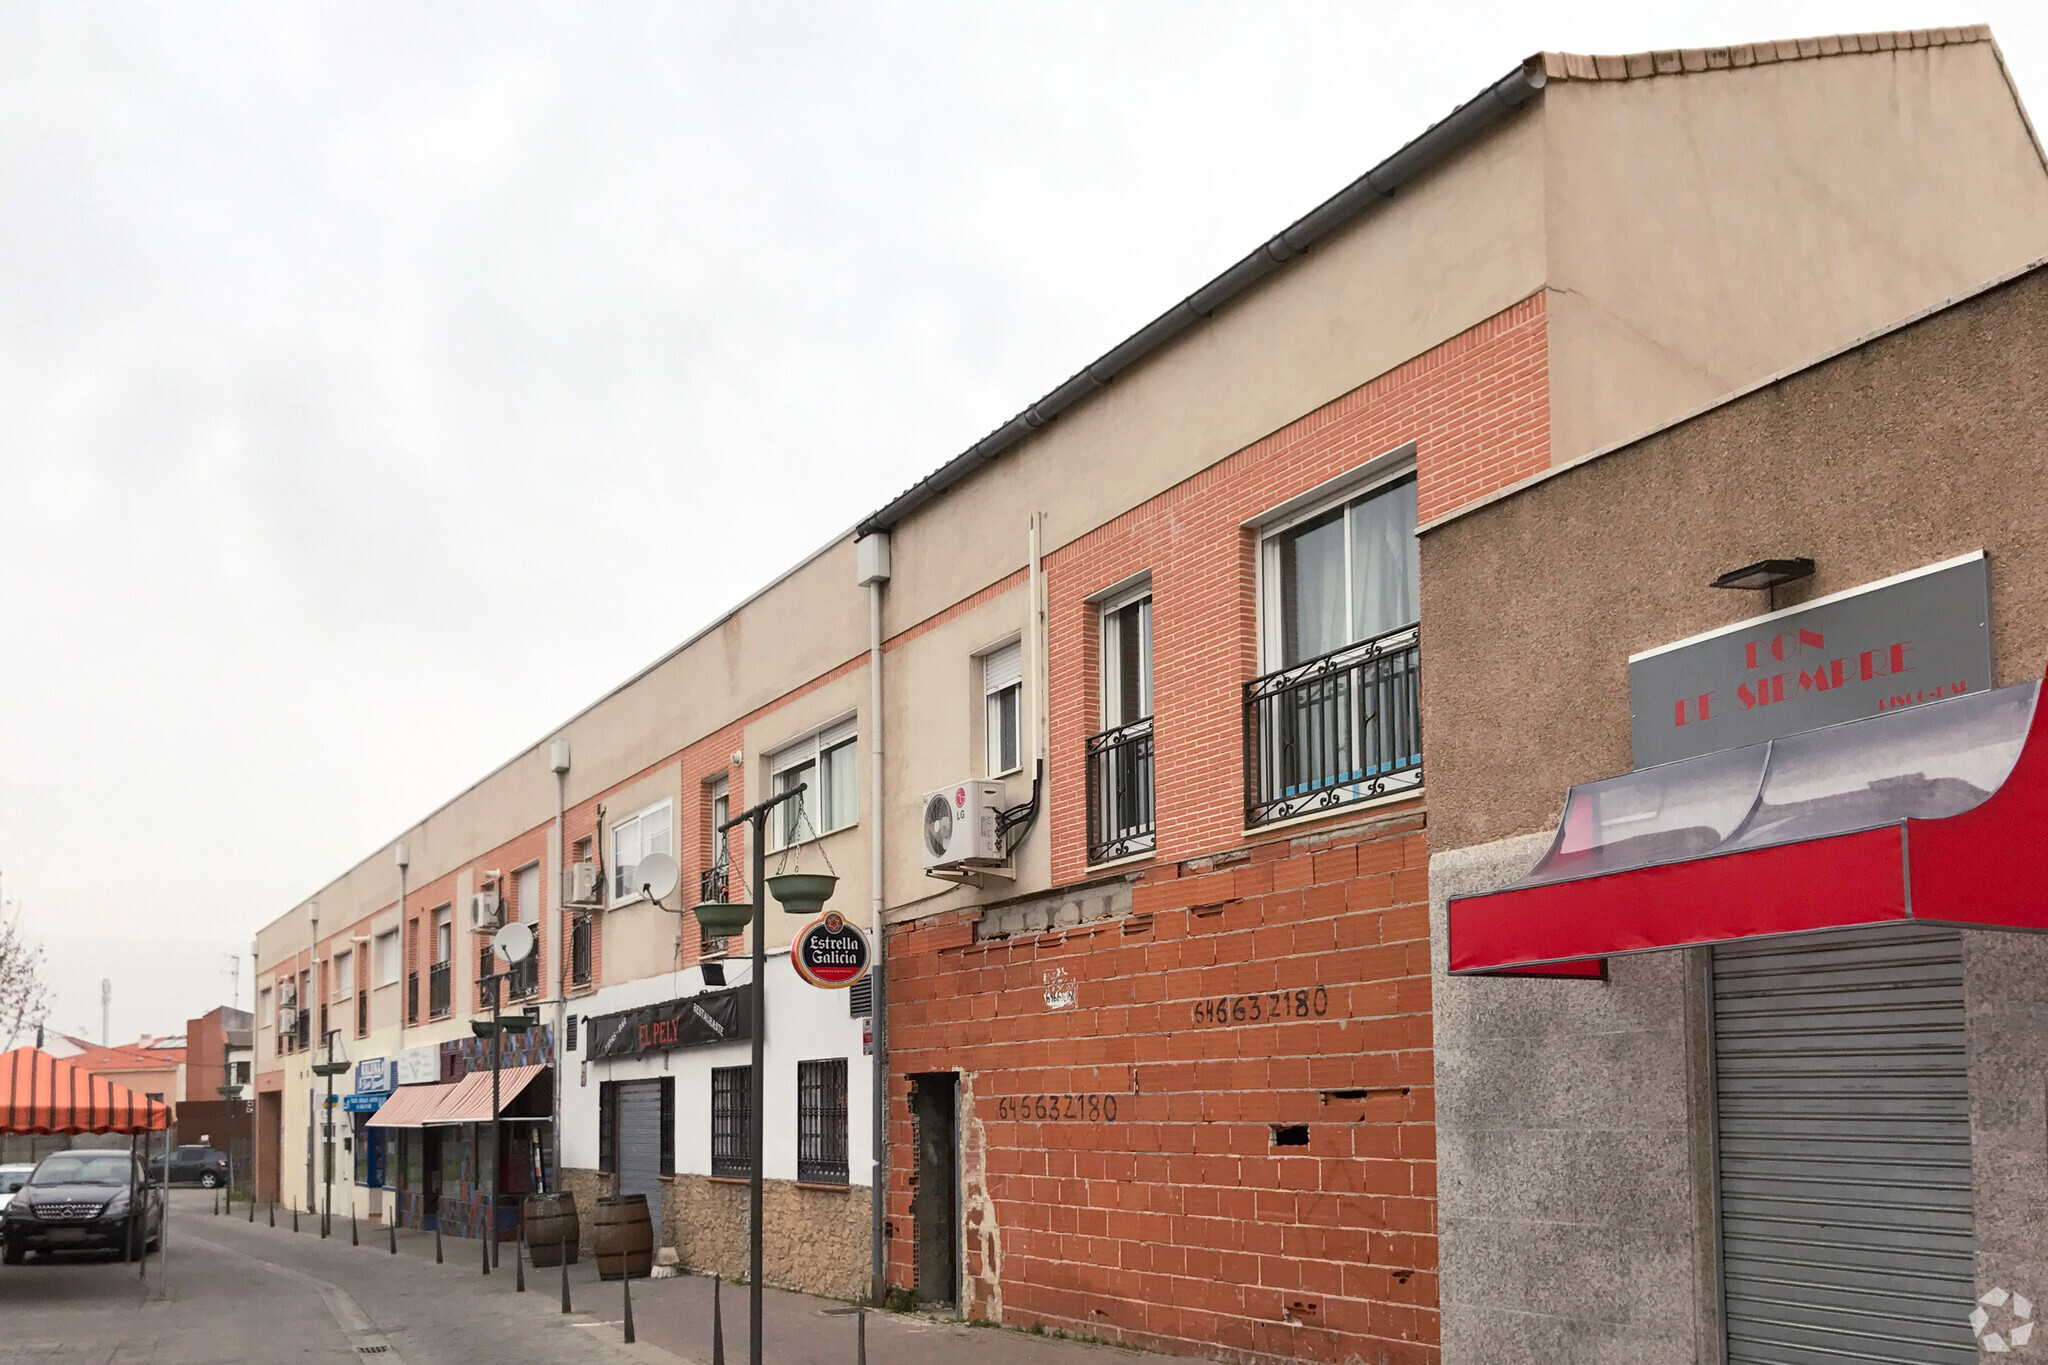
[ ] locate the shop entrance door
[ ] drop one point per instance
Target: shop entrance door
(1843, 1133)
(934, 1198)
(640, 1142)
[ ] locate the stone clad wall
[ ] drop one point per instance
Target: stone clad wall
(814, 1238)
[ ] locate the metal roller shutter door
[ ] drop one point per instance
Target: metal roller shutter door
(1843, 1115)
(640, 1142)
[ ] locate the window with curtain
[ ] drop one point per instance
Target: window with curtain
(827, 766)
(633, 838)
(1341, 575)
(1002, 702)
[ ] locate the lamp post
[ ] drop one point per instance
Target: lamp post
(713, 918)
(494, 1029)
(329, 1069)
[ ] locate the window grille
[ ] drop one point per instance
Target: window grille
(821, 1121)
(730, 1101)
(579, 952)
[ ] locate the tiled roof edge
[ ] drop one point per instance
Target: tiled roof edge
(1573, 66)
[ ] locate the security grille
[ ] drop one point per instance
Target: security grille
(639, 1138)
(730, 1101)
(821, 1121)
(1334, 730)
(579, 952)
(1842, 1091)
(570, 1044)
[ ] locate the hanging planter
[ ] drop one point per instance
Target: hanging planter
(721, 919)
(802, 893)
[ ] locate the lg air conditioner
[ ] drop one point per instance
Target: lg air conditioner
(581, 885)
(486, 912)
(961, 826)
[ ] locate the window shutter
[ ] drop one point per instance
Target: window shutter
(607, 1126)
(668, 1125)
(1000, 668)
(571, 1045)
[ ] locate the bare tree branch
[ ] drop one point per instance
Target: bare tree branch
(23, 999)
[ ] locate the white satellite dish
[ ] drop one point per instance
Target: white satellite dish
(658, 876)
(514, 942)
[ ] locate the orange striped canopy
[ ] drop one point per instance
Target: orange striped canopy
(44, 1094)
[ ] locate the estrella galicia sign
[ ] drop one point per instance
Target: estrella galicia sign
(830, 952)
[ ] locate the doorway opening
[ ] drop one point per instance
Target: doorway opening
(935, 1187)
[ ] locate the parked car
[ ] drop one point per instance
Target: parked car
(203, 1166)
(13, 1178)
(83, 1201)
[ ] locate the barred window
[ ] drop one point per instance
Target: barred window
(730, 1100)
(821, 1121)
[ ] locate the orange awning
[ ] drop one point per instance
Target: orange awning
(471, 1102)
(410, 1106)
(44, 1094)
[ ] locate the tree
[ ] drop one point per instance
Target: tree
(23, 1000)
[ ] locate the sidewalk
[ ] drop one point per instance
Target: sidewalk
(675, 1315)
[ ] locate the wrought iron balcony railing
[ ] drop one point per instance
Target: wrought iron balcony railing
(1120, 815)
(305, 1029)
(412, 998)
(1333, 731)
(438, 996)
(524, 982)
(579, 951)
(713, 884)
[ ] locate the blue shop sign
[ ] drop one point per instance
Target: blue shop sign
(374, 1075)
(362, 1104)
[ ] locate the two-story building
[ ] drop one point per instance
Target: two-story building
(1113, 727)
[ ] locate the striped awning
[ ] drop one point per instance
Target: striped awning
(41, 1094)
(471, 1100)
(411, 1106)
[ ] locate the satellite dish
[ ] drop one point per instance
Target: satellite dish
(514, 942)
(658, 876)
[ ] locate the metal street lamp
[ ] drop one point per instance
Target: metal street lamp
(337, 1062)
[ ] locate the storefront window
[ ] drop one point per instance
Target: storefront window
(451, 1159)
(411, 1148)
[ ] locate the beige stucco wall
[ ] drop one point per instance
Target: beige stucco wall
(1708, 230)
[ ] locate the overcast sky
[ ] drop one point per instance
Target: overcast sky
(380, 384)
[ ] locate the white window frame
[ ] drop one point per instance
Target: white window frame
(1111, 669)
(444, 918)
(617, 866)
(397, 956)
(1376, 474)
(344, 963)
(720, 852)
(812, 749)
(992, 761)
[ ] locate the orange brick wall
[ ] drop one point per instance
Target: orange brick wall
(1477, 409)
(1181, 1225)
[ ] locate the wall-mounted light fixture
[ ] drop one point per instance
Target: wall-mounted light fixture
(1765, 574)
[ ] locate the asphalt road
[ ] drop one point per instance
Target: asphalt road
(231, 1291)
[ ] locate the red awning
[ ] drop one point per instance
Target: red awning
(1935, 813)
(44, 1094)
(412, 1106)
(470, 1101)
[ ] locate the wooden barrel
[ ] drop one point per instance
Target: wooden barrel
(551, 1228)
(622, 1238)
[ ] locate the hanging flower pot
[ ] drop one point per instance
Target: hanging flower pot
(802, 893)
(721, 919)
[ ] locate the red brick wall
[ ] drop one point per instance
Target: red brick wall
(1477, 409)
(1180, 1225)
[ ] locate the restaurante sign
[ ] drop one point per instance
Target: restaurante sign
(1916, 637)
(693, 1021)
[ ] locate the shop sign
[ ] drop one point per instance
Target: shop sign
(363, 1104)
(830, 952)
(373, 1075)
(693, 1021)
(1917, 637)
(417, 1066)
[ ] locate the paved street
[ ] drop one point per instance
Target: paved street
(233, 1292)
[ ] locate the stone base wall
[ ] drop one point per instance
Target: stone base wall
(814, 1239)
(588, 1187)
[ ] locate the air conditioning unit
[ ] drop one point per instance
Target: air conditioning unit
(960, 826)
(486, 912)
(581, 885)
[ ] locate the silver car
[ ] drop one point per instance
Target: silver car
(13, 1178)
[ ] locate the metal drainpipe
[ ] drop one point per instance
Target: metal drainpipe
(876, 575)
(561, 959)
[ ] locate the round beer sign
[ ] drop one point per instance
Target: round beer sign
(830, 952)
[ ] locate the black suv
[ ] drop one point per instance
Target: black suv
(203, 1166)
(83, 1201)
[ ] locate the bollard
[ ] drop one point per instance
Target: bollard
(391, 1222)
(273, 1213)
(216, 1203)
(484, 1244)
(437, 1241)
(626, 1279)
(717, 1326)
(519, 1264)
(252, 1211)
(353, 1239)
(564, 1256)
(295, 1218)
(860, 1338)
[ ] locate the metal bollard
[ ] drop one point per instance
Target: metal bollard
(437, 1241)
(519, 1264)
(626, 1279)
(353, 1239)
(273, 1213)
(860, 1348)
(717, 1325)
(485, 1244)
(295, 1218)
(391, 1222)
(252, 1211)
(216, 1203)
(564, 1254)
